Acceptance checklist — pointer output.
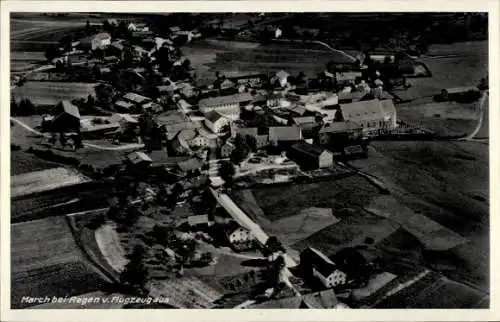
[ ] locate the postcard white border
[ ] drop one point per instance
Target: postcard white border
(248, 315)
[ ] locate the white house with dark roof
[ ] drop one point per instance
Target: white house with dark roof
(323, 268)
(371, 115)
(215, 121)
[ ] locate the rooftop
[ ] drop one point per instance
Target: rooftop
(213, 116)
(70, 109)
(223, 100)
(138, 157)
(338, 127)
(136, 98)
(310, 149)
(285, 133)
(190, 165)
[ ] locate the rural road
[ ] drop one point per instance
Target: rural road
(95, 146)
(481, 103)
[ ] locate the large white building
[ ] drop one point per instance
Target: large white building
(215, 121)
(229, 104)
(371, 115)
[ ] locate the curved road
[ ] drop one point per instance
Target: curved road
(481, 103)
(95, 146)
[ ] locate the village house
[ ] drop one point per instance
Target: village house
(181, 143)
(173, 122)
(338, 133)
(123, 106)
(278, 100)
(308, 124)
(459, 93)
(280, 78)
(97, 127)
(215, 121)
(239, 238)
(261, 134)
(65, 118)
(253, 80)
(199, 221)
(136, 102)
(190, 165)
(226, 149)
(228, 104)
(97, 41)
(126, 121)
(284, 135)
(138, 162)
(372, 115)
(347, 77)
(321, 267)
(137, 26)
(310, 156)
(350, 97)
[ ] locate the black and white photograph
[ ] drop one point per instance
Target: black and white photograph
(249, 160)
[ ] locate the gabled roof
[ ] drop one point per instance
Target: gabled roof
(282, 74)
(187, 134)
(125, 105)
(70, 109)
(174, 29)
(123, 117)
(222, 100)
(456, 90)
(319, 261)
(138, 157)
(213, 116)
(388, 107)
(136, 98)
(198, 220)
(362, 111)
(304, 120)
(190, 165)
(321, 300)
(309, 149)
(285, 133)
(339, 127)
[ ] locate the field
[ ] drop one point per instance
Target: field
(448, 182)
(283, 201)
(51, 93)
(22, 162)
(452, 65)
(45, 261)
(235, 57)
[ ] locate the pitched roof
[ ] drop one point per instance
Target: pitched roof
(213, 116)
(187, 134)
(338, 127)
(388, 107)
(222, 100)
(304, 120)
(138, 157)
(174, 29)
(310, 149)
(285, 133)
(362, 111)
(455, 90)
(282, 74)
(319, 261)
(321, 300)
(136, 98)
(190, 165)
(197, 220)
(70, 109)
(125, 105)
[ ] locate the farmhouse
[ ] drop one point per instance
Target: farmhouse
(458, 93)
(339, 132)
(310, 156)
(135, 101)
(97, 41)
(66, 118)
(230, 103)
(173, 122)
(254, 80)
(139, 159)
(321, 267)
(227, 149)
(123, 106)
(284, 135)
(239, 238)
(371, 115)
(261, 134)
(280, 78)
(215, 121)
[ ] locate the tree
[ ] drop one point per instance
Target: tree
(88, 29)
(98, 53)
(52, 52)
(135, 273)
(104, 94)
(227, 171)
(251, 142)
